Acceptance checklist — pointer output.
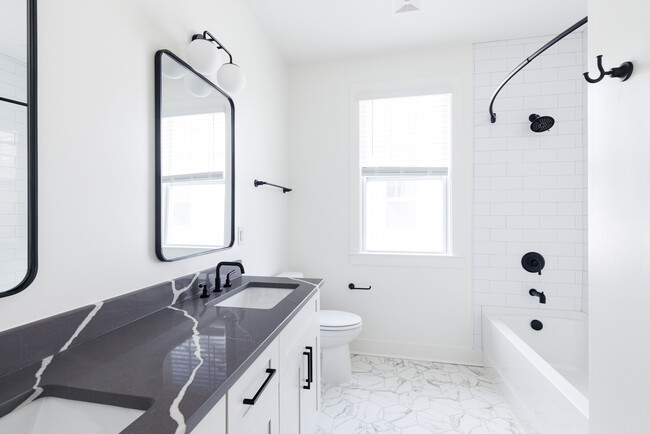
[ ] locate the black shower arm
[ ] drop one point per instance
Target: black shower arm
(582, 22)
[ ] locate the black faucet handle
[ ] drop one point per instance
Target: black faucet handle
(536, 264)
(204, 287)
(533, 262)
(228, 284)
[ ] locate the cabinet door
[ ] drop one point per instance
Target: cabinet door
(290, 391)
(253, 399)
(266, 421)
(310, 397)
(215, 421)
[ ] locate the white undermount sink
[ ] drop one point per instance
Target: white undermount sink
(57, 415)
(257, 297)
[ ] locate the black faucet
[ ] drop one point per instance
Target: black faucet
(217, 280)
(536, 293)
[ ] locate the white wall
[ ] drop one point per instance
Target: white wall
(619, 221)
(529, 187)
(96, 148)
(416, 308)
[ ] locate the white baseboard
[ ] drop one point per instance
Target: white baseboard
(461, 356)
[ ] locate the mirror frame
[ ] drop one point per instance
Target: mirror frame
(158, 93)
(32, 167)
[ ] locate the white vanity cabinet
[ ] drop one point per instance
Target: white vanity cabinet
(284, 382)
(299, 371)
(251, 404)
(253, 399)
(215, 421)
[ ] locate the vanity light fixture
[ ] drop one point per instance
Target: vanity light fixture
(205, 59)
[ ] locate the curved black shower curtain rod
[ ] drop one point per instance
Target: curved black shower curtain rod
(493, 116)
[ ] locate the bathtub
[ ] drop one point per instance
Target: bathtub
(542, 374)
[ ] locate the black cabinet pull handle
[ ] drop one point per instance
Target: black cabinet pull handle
(251, 401)
(310, 367)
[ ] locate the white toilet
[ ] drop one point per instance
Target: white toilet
(337, 329)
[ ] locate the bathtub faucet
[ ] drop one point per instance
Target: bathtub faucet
(536, 293)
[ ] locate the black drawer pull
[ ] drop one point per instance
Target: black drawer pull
(251, 401)
(310, 367)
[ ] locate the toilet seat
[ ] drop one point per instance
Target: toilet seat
(337, 320)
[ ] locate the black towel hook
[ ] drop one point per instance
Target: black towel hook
(623, 72)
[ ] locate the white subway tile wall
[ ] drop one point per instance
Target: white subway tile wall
(13, 173)
(530, 188)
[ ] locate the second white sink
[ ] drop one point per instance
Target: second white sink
(256, 297)
(58, 415)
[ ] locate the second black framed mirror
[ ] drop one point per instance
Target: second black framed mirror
(195, 162)
(18, 176)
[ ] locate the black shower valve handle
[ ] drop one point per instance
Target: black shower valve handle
(533, 262)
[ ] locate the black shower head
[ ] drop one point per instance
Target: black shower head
(540, 123)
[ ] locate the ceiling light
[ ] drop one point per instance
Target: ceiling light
(403, 6)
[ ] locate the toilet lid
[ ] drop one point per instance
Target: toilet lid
(338, 318)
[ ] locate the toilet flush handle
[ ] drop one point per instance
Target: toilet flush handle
(351, 286)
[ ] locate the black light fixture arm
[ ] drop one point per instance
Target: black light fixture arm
(493, 116)
(211, 38)
(284, 189)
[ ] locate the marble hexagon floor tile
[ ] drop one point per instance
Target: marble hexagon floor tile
(388, 395)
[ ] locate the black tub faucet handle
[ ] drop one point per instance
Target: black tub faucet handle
(533, 262)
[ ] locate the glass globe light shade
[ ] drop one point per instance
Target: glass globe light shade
(231, 78)
(172, 69)
(204, 56)
(196, 86)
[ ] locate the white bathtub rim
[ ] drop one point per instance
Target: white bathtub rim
(524, 311)
(562, 384)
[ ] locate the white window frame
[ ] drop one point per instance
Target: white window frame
(460, 170)
(204, 178)
(400, 173)
(181, 180)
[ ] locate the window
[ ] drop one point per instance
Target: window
(404, 155)
(192, 171)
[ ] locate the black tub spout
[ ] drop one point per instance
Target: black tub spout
(536, 293)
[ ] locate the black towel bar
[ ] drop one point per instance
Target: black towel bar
(284, 189)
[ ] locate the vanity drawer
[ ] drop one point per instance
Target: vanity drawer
(258, 383)
(289, 338)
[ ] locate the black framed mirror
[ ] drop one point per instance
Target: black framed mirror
(18, 224)
(195, 162)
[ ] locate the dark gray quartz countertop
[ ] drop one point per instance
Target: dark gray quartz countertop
(186, 355)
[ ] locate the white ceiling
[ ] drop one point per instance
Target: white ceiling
(311, 30)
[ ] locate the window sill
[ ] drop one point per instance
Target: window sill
(407, 260)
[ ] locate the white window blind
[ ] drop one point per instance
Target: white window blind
(193, 167)
(194, 144)
(404, 147)
(412, 131)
